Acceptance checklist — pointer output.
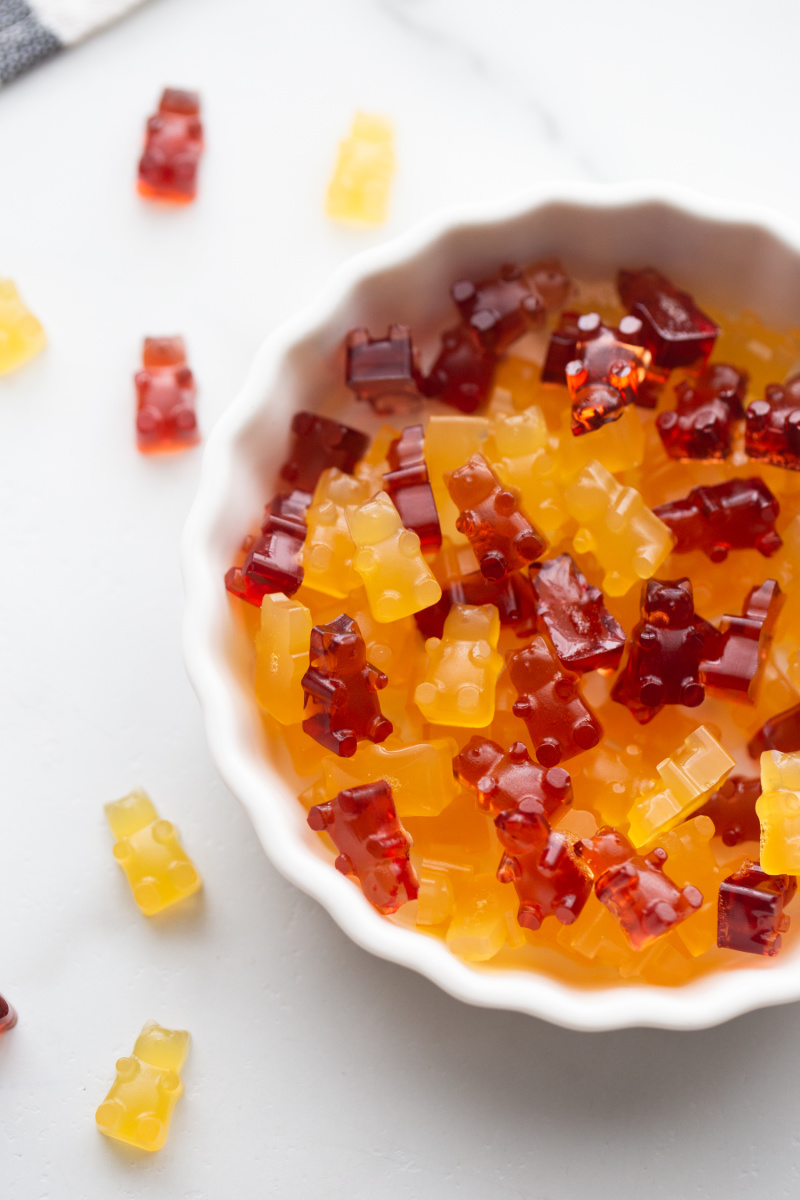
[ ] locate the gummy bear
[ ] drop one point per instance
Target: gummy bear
(449, 442)
(463, 668)
(363, 825)
(165, 395)
(740, 657)
(561, 348)
(8, 1016)
(628, 540)
(503, 780)
(359, 189)
(781, 732)
(341, 689)
(605, 373)
(772, 425)
(139, 1104)
(732, 808)
(738, 514)
(644, 900)
(329, 550)
(501, 309)
(150, 854)
(274, 562)
(408, 487)
(462, 372)
(498, 530)
(420, 775)
(384, 370)
(513, 597)
(522, 453)
(173, 144)
(700, 426)
(541, 863)
(282, 657)
(584, 634)
(675, 331)
(692, 861)
(318, 443)
(483, 919)
(559, 721)
(21, 335)
(388, 558)
(778, 810)
(752, 907)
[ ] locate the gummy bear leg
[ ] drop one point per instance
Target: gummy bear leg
(493, 566)
(379, 728)
(587, 734)
(651, 693)
(692, 693)
(549, 752)
(345, 742)
(344, 865)
(530, 916)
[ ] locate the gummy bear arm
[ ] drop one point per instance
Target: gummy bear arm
(366, 560)
(378, 679)
(521, 707)
(409, 543)
(508, 869)
(322, 687)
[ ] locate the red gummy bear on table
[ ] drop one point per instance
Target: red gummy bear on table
(462, 374)
(512, 597)
(604, 374)
(542, 865)
(738, 514)
(585, 635)
(490, 517)
(501, 309)
(318, 443)
(559, 721)
(408, 486)
(644, 900)
(165, 396)
(732, 808)
(740, 657)
(751, 913)
(384, 371)
(273, 562)
(666, 649)
(772, 425)
(341, 690)
(173, 145)
(363, 825)
(675, 331)
(503, 780)
(781, 732)
(701, 423)
(8, 1016)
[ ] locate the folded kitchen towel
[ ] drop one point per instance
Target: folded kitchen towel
(32, 30)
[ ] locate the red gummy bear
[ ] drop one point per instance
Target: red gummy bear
(501, 309)
(700, 425)
(512, 597)
(772, 425)
(751, 914)
(667, 647)
(173, 144)
(561, 349)
(498, 530)
(503, 781)
(274, 560)
(732, 808)
(317, 444)
(635, 889)
(740, 658)
(738, 514)
(409, 488)
(8, 1016)
(462, 373)
(363, 825)
(541, 863)
(165, 396)
(604, 375)
(384, 370)
(675, 331)
(341, 690)
(585, 635)
(559, 721)
(781, 732)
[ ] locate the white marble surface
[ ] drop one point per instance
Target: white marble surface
(315, 1070)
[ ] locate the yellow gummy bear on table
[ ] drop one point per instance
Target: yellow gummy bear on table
(359, 189)
(21, 335)
(778, 809)
(449, 443)
(688, 777)
(626, 537)
(521, 452)
(420, 775)
(397, 579)
(328, 550)
(150, 854)
(463, 669)
(138, 1107)
(282, 654)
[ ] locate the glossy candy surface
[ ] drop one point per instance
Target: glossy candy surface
(317, 444)
(360, 187)
(462, 670)
(388, 558)
(138, 1107)
(21, 334)
(408, 487)
(165, 397)
(772, 426)
(500, 309)
(420, 775)
(499, 531)
(503, 779)
(150, 853)
(449, 443)
(751, 910)
(274, 560)
(461, 374)
(341, 690)
(701, 424)
(383, 370)
(675, 330)
(781, 732)
(541, 863)
(738, 514)
(605, 373)
(173, 145)
(732, 808)
(282, 643)
(740, 657)
(559, 721)
(328, 549)
(584, 634)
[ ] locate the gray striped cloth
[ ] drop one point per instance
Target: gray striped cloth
(33, 30)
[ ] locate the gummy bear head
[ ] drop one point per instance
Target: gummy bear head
(160, 1047)
(338, 647)
(374, 521)
(668, 603)
(476, 760)
(608, 848)
(472, 623)
(523, 828)
(534, 666)
(472, 483)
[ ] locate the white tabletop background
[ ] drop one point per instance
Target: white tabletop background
(315, 1070)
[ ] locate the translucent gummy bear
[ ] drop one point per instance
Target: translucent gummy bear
(522, 453)
(397, 579)
(687, 779)
(282, 646)
(778, 809)
(499, 530)
(329, 550)
(484, 918)
(21, 335)
(359, 189)
(173, 145)
(463, 669)
(341, 689)
(165, 397)
(148, 850)
(420, 776)
(148, 1085)
(692, 861)
(449, 442)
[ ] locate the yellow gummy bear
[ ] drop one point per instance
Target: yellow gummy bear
(150, 854)
(359, 189)
(618, 446)
(484, 917)
(449, 443)
(463, 669)
(397, 579)
(328, 550)
(282, 653)
(690, 859)
(139, 1104)
(778, 809)
(21, 335)
(627, 539)
(522, 453)
(420, 776)
(688, 777)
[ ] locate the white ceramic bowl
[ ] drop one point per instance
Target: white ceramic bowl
(723, 252)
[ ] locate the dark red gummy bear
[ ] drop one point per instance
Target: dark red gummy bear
(319, 443)
(501, 309)
(700, 425)
(512, 597)
(559, 721)
(585, 635)
(603, 377)
(498, 530)
(165, 396)
(384, 370)
(781, 732)
(634, 888)
(772, 425)
(739, 659)
(561, 349)
(363, 825)
(504, 780)
(667, 647)
(341, 690)
(738, 514)
(542, 865)
(732, 808)
(675, 331)
(751, 914)
(408, 486)
(8, 1016)
(462, 374)
(173, 144)
(273, 562)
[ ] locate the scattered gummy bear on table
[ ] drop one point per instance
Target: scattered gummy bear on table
(526, 649)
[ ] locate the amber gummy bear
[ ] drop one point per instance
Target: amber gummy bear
(165, 395)
(781, 732)
(341, 689)
(559, 721)
(173, 145)
(502, 780)
(738, 514)
(499, 531)
(21, 334)
(751, 910)
(585, 635)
